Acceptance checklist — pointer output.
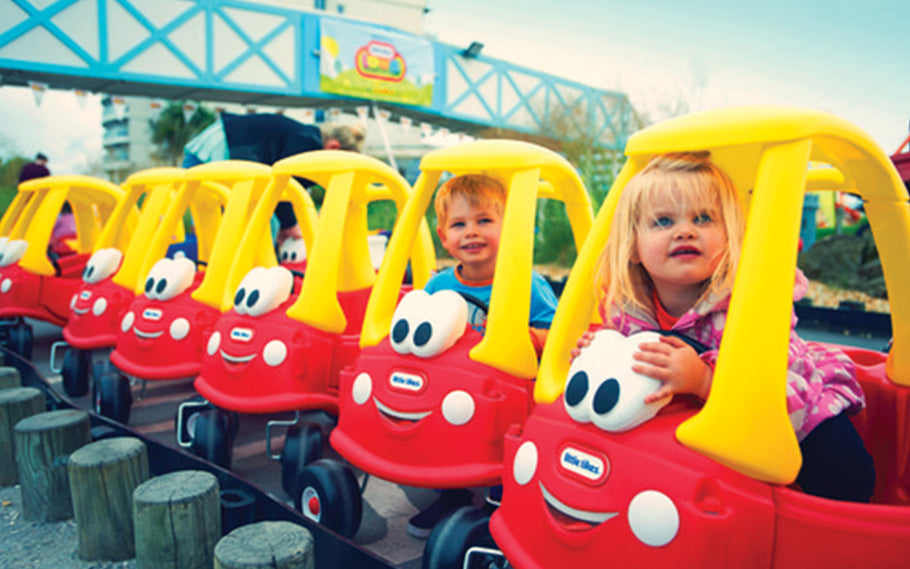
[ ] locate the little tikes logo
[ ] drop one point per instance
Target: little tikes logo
(151, 314)
(241, 334)
(406, 381)
(586, 465)
(380, 60)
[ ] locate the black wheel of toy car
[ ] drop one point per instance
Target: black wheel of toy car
(20, 337)
(454, 535)
(327, 493)
(76, 371)
(189, 420)
(212, 438)
(302, 445)
(113, 397)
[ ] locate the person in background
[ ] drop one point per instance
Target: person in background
(35, 169)
(267, 138)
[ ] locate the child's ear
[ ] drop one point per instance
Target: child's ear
(441, 234)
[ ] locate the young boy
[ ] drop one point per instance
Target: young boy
(469, 213)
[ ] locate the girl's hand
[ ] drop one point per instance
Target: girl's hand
(676, 364)
(583, 342)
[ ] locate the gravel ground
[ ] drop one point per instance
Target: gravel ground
(35, 545)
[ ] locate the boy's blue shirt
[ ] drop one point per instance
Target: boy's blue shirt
(543, 299)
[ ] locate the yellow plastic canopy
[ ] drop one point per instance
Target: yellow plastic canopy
(35, 209)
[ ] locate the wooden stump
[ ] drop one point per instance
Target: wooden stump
(15, 404)
(177, 520)
(103, 476)
(10, 377)
(43, 445)
(264, 545)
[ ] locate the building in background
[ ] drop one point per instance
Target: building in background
(126, 136)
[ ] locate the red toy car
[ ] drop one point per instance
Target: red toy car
(165, 329)
(428, 404)
(278, 351)
(112, 272)
(36, 280)
(711, 486)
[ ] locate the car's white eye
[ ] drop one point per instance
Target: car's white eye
(263, 290)
(602, 388)
(426, 325)
(12, 252)
(169, 277)
(292, 250)
(101, 265)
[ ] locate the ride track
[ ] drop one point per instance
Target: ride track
(242, 501)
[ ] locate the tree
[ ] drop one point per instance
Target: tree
(171, 131)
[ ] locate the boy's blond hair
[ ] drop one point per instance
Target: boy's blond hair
(690, 179)
(478, 189)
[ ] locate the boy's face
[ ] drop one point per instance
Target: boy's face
(471, 235)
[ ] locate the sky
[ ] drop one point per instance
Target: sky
(849, 58)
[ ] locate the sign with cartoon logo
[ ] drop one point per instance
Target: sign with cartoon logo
(372, 63)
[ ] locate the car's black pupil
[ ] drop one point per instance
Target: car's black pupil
(606, 396)
(577, 388)
(252, 298)
(423, 333)
(162, 284)
(400, 331)
(149, 284)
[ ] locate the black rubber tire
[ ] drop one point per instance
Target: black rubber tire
(212, 437)
(332, 488)
(452, 537)
(76, 371)
(303, 444)
(190, 419)
(113, 397)
(21, 338)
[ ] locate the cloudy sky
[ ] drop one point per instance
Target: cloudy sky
(849, 58)
(846, 57)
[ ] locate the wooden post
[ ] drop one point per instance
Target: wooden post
(10, 377)
(15, 404)
(43, 445)
(177, 520)
(103, 476)
(279, 545)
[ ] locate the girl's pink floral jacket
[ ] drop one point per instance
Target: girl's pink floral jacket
(821, 378)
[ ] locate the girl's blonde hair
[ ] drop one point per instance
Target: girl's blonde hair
(478, 189)
(689, 179)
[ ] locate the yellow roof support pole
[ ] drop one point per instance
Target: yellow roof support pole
(745, 424)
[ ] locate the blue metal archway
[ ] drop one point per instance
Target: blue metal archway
(230, 50)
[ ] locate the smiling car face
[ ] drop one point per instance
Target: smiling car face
(241, 338)
(96, 297)
(425, 326)
(148, 318)
(416, 409)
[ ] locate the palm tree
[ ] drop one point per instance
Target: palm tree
(171, 132)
